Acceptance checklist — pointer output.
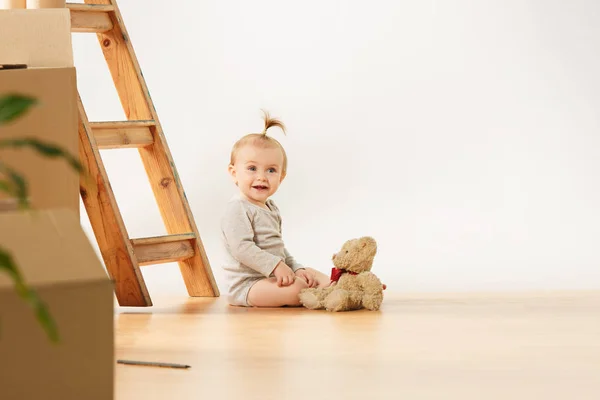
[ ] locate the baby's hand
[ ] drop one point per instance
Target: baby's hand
(308, 277)
(284, 274)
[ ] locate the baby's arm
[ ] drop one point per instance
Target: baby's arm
(291, 261)
(313, 277)
(239, 235)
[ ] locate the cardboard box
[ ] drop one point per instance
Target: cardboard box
(49, 246)
(39, 38)
(42, 40)
(53, 183)
(57, 260)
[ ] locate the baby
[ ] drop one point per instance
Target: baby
(259, 270)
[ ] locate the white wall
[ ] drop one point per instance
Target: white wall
(462, 135)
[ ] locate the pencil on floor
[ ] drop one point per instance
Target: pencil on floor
(153, 364)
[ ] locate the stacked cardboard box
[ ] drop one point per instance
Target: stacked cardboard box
(57, 260)
(53, 182)
(41, 39)
(49, 246)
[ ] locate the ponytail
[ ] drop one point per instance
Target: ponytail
(271, 122)
(261, 139)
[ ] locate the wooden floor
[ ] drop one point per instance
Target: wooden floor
(526, 346)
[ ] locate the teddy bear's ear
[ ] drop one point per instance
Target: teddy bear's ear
(369, 245)
(367, 240)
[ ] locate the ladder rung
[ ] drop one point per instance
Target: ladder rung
(120, 135)
(164, 249)
(90, 17)
(90, 7)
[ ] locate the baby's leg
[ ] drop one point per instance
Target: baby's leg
(266, 293)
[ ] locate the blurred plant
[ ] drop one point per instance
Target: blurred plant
(13, 106)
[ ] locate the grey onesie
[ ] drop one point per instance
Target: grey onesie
(253, 245)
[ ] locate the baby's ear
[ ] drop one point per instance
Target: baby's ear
(231, 170)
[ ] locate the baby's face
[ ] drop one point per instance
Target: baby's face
(258, 172)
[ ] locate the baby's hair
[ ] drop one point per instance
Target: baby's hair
(270, 122)
(261, 139)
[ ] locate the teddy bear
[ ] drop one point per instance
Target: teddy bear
(353, 285)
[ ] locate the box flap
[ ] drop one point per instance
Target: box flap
(49, 247)
(38, 38)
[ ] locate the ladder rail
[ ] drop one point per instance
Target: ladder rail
(143, 131)
(107, 223)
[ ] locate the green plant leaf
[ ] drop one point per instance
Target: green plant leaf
(44, 148)
(48, 150)
(16, 185)
(5, 187)
(7, 265)
(13, 105)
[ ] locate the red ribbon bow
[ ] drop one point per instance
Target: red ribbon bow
(336, 273)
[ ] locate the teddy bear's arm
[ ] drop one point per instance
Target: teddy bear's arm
(372, 290)
(369, 282)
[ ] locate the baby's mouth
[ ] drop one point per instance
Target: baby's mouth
(260, 187)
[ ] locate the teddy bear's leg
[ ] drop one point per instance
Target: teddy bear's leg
(343, 300)
(312, 298)
(309, 298)
(372, 301)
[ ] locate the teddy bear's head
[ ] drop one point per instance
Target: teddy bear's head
(356, 255)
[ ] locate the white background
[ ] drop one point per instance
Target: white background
(462, 135)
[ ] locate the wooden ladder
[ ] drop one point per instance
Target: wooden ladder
(122, 255)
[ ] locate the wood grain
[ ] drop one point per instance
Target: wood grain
(107, 223)
(517, 346)
(123, 66)
(157, 159)
(164, 239)
(122, 124)
(121, 136)
(163, 249)
(89, 20)
(95, 7)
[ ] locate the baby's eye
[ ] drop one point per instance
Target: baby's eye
(272, 170)
(251, 168)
